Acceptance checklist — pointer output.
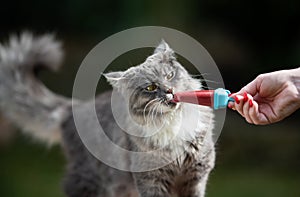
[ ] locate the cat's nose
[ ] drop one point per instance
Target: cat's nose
(169, 91)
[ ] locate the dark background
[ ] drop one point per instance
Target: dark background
(245, 38)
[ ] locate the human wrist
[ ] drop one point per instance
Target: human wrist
(295, 78)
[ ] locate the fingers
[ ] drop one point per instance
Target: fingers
(238, 104)
(257, 117)
(248, 108)
(231, 105)
(243, 104)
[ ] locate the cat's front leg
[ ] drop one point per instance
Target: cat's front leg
(82, 180)
(194, 186)
(152, 184)
(195, 176)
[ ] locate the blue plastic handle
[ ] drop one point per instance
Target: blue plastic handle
(221, 98)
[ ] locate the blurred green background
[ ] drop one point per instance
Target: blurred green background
(245, 38)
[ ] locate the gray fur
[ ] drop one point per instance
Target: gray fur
(88, 177)
(187, 175)
(23, 99)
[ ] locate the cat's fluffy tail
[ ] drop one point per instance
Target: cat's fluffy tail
(23, 98)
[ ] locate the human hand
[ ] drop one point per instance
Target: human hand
(269, 98)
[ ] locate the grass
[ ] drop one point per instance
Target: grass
(252, 183)
(30, 170)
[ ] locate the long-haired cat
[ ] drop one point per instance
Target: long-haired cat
(174, 127)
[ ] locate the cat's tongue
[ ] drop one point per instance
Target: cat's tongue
(169, 97)
(216, 99)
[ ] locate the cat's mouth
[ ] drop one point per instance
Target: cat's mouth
(168, 100)
(163, 106)
(154, 111)
(170, 104)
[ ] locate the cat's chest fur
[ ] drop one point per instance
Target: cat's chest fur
(184, 136)
(189, 124)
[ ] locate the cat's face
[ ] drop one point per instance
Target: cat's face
(147, 85)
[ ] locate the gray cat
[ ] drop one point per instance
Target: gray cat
(182, 132)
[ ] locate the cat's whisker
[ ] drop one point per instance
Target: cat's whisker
(167, 104)
(206, 80)
(147, 117)
(151, 101)
(200, 75)
(211, 81)
(157, 111)
(164, 118)
(152, 115)
(159, 105)
(161, 111)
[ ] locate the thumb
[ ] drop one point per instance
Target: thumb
(251, 88)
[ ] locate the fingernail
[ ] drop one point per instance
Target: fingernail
(245, 97)
(237, 100)
(250, 103)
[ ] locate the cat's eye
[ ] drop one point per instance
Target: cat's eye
(170, 75)
(151, 87)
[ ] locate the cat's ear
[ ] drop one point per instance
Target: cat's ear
(114, 78)
(162, 47)
(166, 52)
